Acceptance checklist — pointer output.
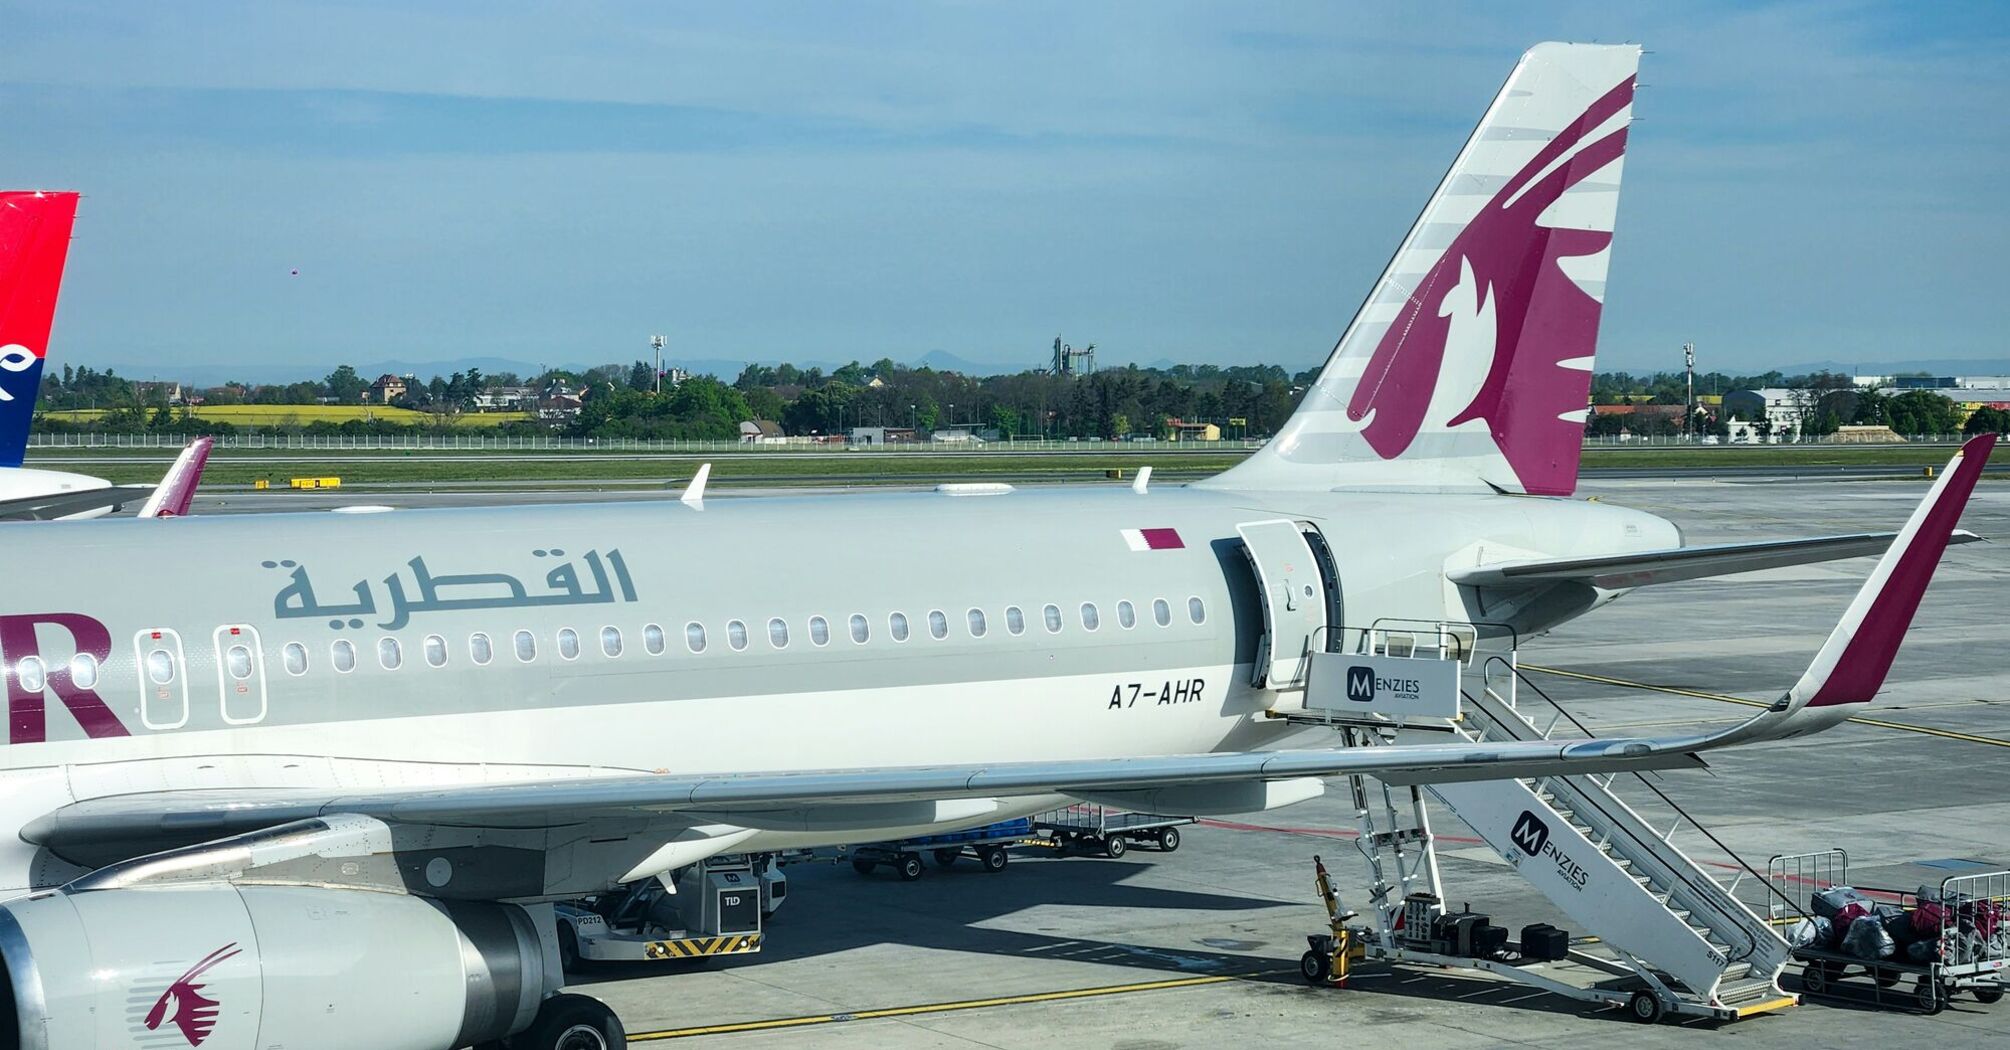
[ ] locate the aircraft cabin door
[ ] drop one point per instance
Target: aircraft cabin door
(1294, 600)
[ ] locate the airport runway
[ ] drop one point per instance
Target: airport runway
(1198, 948)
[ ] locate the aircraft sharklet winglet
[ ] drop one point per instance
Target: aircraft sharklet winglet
(694, 493)
(1143, 481)
(171, 499)
(1851, 665)
(1853, 662)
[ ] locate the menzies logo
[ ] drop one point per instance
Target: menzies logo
(1361, 684)
(28, 709)
(1530, 834)
(183, 1004)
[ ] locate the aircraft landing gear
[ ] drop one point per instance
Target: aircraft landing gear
(572, 1022)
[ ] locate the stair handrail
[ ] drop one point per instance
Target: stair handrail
(1752, 943)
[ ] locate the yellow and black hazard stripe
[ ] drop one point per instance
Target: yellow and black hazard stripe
(697, 947)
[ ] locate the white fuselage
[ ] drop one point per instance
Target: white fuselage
(226, 645)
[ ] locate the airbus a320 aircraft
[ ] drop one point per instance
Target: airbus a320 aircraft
(319, 792)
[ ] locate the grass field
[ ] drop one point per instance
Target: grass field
(301, 415)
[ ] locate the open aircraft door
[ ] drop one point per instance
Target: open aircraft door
(1296, 598)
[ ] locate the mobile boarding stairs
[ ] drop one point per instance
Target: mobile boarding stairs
(1672, 938)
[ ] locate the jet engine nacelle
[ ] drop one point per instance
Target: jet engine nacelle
(227, 967)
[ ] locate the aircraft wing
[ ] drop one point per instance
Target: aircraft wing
(1619, 571)
(51, 506)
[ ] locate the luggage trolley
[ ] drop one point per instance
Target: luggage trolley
(1089, 828)
(1968, 940)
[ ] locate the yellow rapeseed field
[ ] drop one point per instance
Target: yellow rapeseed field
(301, 415)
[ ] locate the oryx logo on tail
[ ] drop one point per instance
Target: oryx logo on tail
(1506, 279)
(183, 1004)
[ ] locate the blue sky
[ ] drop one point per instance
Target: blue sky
(1190, 182)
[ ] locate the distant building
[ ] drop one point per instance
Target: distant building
(761, 431)
(882, 435)
(1782, 407)
(505, 399)
(149, 392)
(1184, 431)
(386, 389)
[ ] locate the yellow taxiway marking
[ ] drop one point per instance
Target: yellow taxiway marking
(932, 1008)
(1720, 697)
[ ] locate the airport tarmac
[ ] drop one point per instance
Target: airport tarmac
(1199, 948)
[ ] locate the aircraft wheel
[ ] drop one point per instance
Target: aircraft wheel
(1168, 838)
(909, 866)
(1115, 846)
(1646, 1007)
(573, 1022)
(946, 857)
(1315, 967)
(993, 859)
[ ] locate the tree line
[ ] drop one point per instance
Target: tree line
(623, 401)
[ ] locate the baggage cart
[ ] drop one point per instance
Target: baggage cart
(1089, 828)
(987, 844)
(1970, 949)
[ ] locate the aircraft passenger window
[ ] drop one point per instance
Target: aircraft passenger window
(976, 623)
(1161, 612)
(480, 649)
(820, 631)
(1015, 621)
(389, 654)
(294, 655)
(343, 656)
(436, 650)
(526, 646)
(160, 667)
(938, 624)
(568, 643)
(694, 637)
(736, 635)
(610, 641)
(652, 639)
(860, 630)
(1090, 621)
(1195, 611)
(32, 674)
(778, 633)
(1052, 614)
(896, 625)
(84, 669)
(238, 662)
(1127, 617)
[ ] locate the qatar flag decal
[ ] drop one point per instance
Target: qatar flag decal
(1153, 539)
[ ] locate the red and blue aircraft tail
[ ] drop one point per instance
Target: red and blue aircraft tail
(34, 241)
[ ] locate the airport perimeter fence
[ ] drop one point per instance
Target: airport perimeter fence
(433, 442)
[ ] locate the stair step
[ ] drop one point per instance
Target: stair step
(1735, 993)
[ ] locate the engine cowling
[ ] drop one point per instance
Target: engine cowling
(243, 967)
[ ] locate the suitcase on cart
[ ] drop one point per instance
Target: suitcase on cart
(1545, 942)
